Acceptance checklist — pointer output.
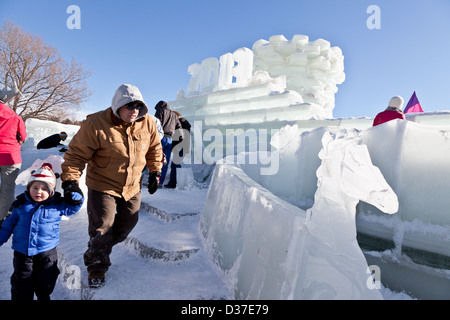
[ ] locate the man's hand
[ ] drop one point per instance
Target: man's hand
(70, 186)
(153, 181)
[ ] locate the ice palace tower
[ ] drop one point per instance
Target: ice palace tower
(278, 80)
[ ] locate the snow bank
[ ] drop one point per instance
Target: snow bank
(40, 129)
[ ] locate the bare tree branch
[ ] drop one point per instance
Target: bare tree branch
(51, 87)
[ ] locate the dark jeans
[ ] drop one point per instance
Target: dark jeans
(166, 143)
(173, 168)
(106, 228)
(34, 274)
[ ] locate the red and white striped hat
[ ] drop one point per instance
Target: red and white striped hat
(44, 174)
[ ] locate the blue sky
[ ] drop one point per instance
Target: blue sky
(151, 43)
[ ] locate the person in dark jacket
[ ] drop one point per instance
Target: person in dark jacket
(34, 221)
(180, 148)
(170, 122)
(393, 111)
(52, 141)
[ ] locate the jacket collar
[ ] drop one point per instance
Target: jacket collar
(52, 198)
(114, 119)
(394, 109)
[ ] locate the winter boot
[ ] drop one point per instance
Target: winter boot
(96, 280)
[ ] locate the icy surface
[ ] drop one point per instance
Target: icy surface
(271, 250)
(420, 227)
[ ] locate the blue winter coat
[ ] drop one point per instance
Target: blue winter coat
(36, 225)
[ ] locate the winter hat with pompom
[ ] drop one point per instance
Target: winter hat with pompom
(44, 174)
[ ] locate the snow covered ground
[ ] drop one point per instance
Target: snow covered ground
(163, 259)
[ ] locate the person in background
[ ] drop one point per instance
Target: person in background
(159, 127)
(12, 135)
(116, 143)
(393, 111)
(169, 121)
(34, 221)
(161, 135)
(52, 141)
(181, 145)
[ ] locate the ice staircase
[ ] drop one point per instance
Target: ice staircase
(156, 261)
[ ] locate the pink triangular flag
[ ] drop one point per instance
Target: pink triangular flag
(413, 105)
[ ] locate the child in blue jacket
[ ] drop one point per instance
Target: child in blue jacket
(34, 221)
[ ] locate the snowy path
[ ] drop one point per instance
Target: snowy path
(163, 258)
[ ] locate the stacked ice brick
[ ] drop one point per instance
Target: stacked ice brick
(277, 81)
(312, 68)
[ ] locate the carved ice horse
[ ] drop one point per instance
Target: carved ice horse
(334, 266)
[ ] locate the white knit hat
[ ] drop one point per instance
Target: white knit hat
(44, 174)
(396, 102)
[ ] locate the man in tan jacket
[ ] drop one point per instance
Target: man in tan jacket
(117, 144)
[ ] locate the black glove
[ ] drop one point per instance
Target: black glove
(70, 186)
(153, 181)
